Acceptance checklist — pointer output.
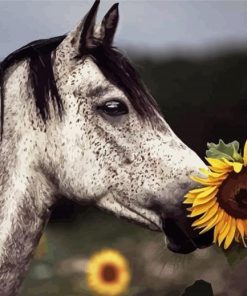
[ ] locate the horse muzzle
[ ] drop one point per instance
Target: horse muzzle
(183, 239)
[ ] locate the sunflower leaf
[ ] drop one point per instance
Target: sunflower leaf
(228, 151)
(235, 254)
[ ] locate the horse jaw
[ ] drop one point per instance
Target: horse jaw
(140, 216)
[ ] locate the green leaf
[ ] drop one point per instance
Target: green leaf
(235, 254)
(221, 150)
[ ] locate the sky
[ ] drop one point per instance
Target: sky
(152, 27)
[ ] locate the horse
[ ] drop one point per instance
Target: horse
(77, 121)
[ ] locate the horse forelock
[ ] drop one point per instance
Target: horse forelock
(113, 64)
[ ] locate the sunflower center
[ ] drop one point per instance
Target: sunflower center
(241, 198)
(232, 195)
(109, 273)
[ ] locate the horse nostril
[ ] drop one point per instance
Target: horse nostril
(156, 207)
(183, 238)
(178, 240)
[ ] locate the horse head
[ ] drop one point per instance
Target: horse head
(98, 136)
(113, 148)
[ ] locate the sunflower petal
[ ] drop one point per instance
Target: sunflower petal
(218, 227)
(218, 179)
(188, 201)
(209, 194)
(190, 195)
(198, 190)
(209, 173)
(231, 234)
(225, 231)
(205, 181)
(208, 191)
(245, 227)
(204, 171)
(245, 153)
(220, 170)
(199, 201)
(237, 166)
(210, 224)
(217, 163)
(207, 216)
(218, 175)
(240, 227)
(200, 209)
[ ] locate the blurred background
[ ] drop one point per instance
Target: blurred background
(193, 57)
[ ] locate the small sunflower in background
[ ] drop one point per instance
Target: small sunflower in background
(108, 273)
(222, 202)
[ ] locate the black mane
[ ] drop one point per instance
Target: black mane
(115, 67)
(41, 74)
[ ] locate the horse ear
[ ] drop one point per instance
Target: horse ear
(88, 24)
(77, 40)
(81, 37)
(109, 25)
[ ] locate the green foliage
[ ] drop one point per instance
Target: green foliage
(235, 254)
(221, 150)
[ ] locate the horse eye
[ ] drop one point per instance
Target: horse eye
(114, 108)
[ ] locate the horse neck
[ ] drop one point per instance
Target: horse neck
(22, 220)
(25, 193)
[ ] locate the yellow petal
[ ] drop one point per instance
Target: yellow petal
(190, 195)
(245, 153)
(199, 201)
(209, 190)
(212, 211)
(205, 181)
(240, 227)
(237, 166)
(220, 170)
(198, 190)
(216, 231)
(240, 234)
(217, 163)
(218, 179)
(200, 209)
(205, 171)
(208, 172)
(215, 221)
(211, 175)
(210, 224)
(218, 175)
(227, 227)
(207, 216)
(188, 201)
(237, 237)
(218, 227)
(245, 227)
(231, 234)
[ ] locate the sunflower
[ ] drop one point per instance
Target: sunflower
(108, 273)
(222, 201)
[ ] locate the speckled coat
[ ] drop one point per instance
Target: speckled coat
(121, 162)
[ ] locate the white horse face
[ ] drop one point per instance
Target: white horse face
(113, 155)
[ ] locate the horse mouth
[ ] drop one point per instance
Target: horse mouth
(182, 241)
